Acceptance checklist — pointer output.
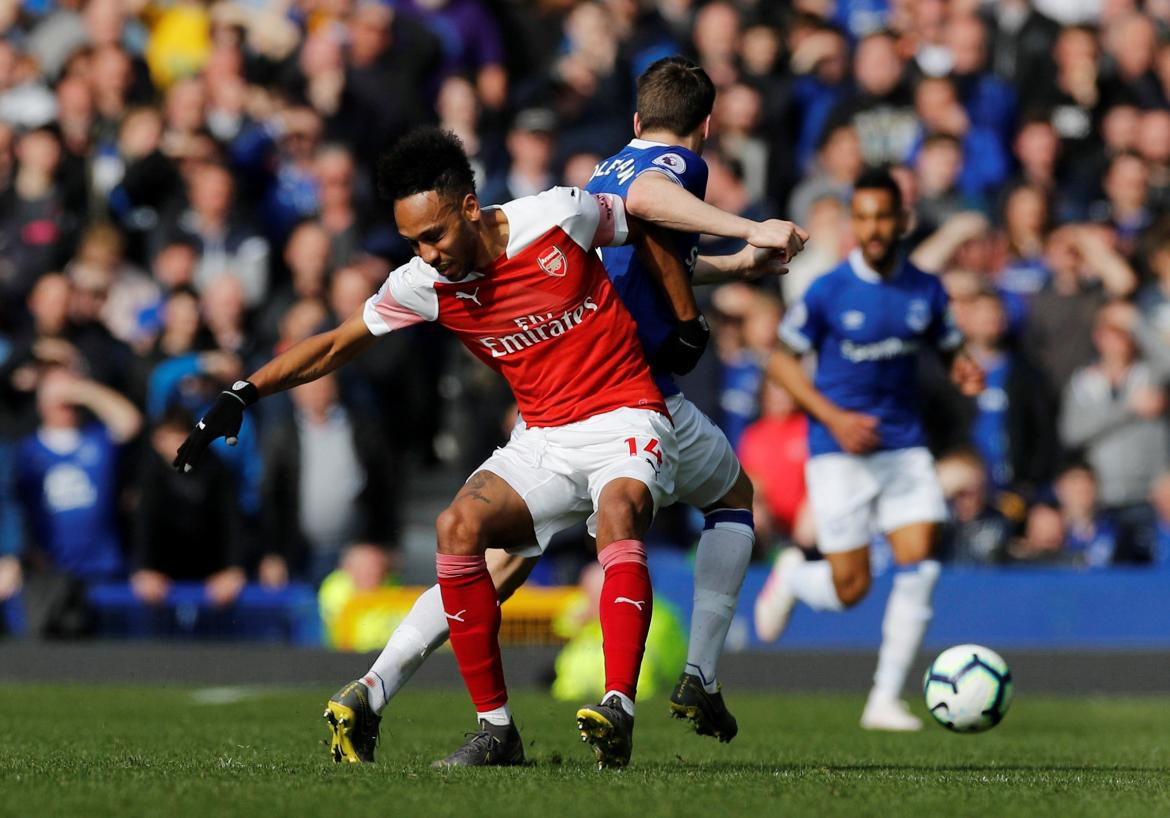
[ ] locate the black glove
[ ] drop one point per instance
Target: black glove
(223, 419)
(682, 349)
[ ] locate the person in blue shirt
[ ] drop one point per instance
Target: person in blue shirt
(66, 475)
(869, 469)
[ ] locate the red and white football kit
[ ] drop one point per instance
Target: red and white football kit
(546, 317)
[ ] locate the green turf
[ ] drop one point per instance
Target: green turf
(122, 751)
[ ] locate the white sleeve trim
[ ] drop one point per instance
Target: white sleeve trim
(406, 297)
(573, 210)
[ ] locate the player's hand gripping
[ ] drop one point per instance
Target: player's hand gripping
(967, 375)
(775, 234)
(856, 432)
(223, 419)
(682, 349)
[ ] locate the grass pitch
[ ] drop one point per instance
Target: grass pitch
(176, 752)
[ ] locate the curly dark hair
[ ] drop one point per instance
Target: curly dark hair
(425, 159)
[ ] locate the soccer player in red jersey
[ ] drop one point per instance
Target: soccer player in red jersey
(523, 289)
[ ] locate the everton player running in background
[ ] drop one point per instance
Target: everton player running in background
(662, 178)
(868, 467)
(522, 288)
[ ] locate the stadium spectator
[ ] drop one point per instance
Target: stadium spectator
(820, 61)
(1115, 412)
(1009, 424)
(185, 527)
(332, 465)
(976, 533)
(1090, 537)
(984, 166)
(990, 101)
(36, 232)
(1026, 221)
(67, 481)
(837, 167)
(530, 146)
(227, 246)
(1022, 41)
(882, 107)
(1086, 273)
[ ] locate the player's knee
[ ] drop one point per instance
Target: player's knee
(913, 553)
(624, 514)
(851, 587)
(458, 532)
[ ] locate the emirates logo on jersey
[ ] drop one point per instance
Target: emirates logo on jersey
(536, 329)
(553, 262)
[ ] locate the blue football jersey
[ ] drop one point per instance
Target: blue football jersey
(71, 501)
(637, 288)
(867, 332)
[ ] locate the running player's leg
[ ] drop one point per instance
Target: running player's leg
(842, 493)
(909, 510)
(424, 629)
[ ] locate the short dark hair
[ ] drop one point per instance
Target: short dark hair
(879, 179)
(425, 159)
(676, 95)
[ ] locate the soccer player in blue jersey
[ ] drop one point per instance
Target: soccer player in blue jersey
(868, 469)
(662, 179)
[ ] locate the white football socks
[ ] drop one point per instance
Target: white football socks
(721, 560)
(908, 612)
(418, 635)
(625, 701)
(501, 716)
(812, 584)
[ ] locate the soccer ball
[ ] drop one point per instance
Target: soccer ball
(968, 688)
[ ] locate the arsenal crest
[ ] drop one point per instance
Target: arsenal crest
(553, 262)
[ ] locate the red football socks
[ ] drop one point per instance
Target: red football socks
(473, 615)
(627, 602)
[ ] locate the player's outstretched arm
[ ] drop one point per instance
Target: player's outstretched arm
(683, 348)
(306, 361)
(749, 264)
(856, 432)
(655, 198)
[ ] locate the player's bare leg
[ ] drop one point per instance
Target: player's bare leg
(837, 582)
(625, 510)
(908, 612)
(721, 561)
(487, 512)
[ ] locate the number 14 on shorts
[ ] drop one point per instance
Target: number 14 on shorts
(651, 447)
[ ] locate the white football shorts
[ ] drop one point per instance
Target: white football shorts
(707, 465)
(855, 496)
(559, 471)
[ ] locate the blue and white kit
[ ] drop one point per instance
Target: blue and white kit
(867, 333)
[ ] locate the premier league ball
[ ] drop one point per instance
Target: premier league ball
(968, 688)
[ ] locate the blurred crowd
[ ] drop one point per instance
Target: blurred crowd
(186, 188)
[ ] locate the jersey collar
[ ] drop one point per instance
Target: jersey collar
(863, 271)
(642, 144)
